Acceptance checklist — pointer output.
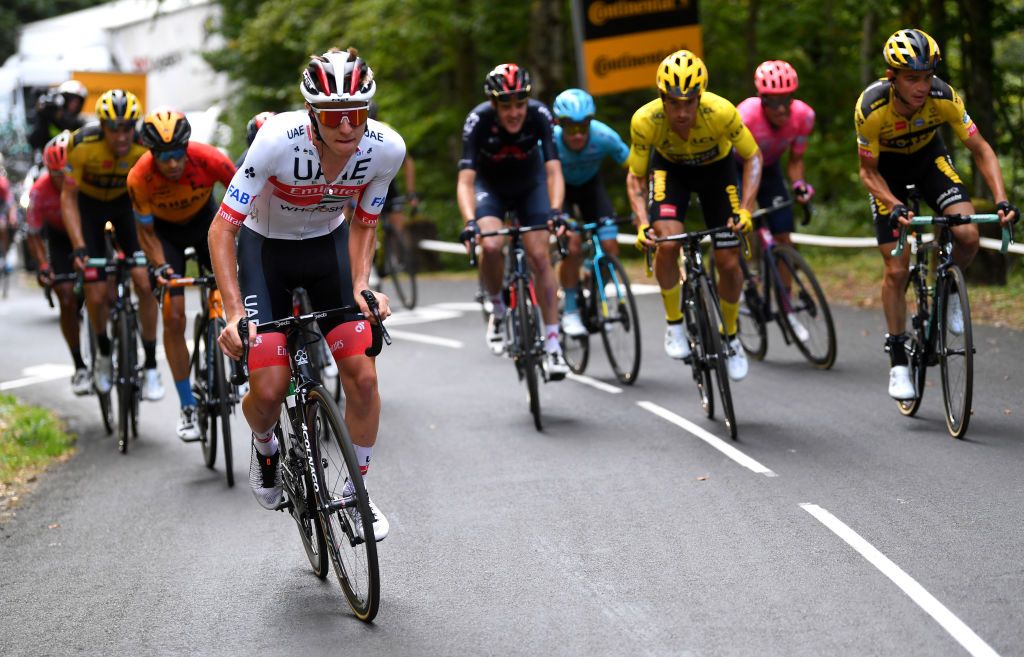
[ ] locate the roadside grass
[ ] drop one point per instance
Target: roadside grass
(30, 439)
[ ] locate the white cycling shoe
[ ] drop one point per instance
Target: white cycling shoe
(955, 315)
(736, 364)
(676, 344)
(381, 526)
(901, 388)
(152, 386)
(496, 335)
(572, 324)
(555, 365)
(81, 384)
(799, 330)
(102, 374)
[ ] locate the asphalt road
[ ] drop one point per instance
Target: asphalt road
(834, 526)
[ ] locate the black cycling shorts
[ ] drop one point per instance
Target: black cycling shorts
(176, 237)
(715, 184)
(774, 190)
(95, 214)
(532, 205)
(930, 170)
(59, 245)
(393, 202)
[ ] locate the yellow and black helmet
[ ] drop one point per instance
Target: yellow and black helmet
(911, 50)
(165, 130)
(118, 105)
(682, 75)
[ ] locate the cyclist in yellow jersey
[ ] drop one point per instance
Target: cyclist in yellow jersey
(95, 191)
(686, 139)
(897, 119)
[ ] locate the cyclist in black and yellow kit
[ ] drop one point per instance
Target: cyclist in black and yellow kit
(96, 191)
(686, 139)
(897, 120)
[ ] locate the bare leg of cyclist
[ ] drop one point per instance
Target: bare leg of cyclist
(730, 286)
(569, 279)
(152, 388)
(69, 327)
(177, 358)
(536, 244)
(784, 273)
(261, 406)
(894, 284)
(966, 236)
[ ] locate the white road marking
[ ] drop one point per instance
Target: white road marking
(39, 374)
(459, 306)
(426, 339)
(594, 383)
(420, 315)
(709, 438)
(964, 635)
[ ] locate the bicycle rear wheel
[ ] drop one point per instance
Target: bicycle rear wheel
(298, 483)
(400, 266)
(956, 353)
(529, 354)
(355, 559)
(699, 336)
(222, 394)
(752, 327)
(576, 349)
(106, 408)
(203, 388)
(718, 352)
(619, 321)
(124, 373)
(808, 308)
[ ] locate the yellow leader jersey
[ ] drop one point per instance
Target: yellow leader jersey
(717, 129)
(95, 169)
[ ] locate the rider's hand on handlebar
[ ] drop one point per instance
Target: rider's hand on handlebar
(45, 275)
(161, 274)
(229, 341)
(803, 192)
(469, 233)
(557, 223)
(79, 256)
(643, 242)
(383, 305)
(741, 221)
(900, 216)
(1008, 213)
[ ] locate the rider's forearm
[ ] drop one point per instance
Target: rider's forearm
(556, 183)
(795, 167)
(409, 169)
(224, 257)
(751, 180)
(362, 243)
(877, 186)
(36, 248)
(988, 164)
(636, 189)
(72, 217)
(151, 245)
(465, 194)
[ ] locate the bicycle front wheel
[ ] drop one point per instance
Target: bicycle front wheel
(576, 349)
(400, 265)
(203, 388)
(529, 353)
(699, 336)
(619, 321)
(752, 327)
(106, 408)
(718, 352)
(298, 484)
(809, 321)
(124, 374)
(956, 351)
(222, 393)
(344, 504)
(917, 345)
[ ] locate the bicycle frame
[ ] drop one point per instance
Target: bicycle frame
(593, 260)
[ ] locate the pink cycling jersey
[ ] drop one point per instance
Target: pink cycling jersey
(44, 206)
(772, 141)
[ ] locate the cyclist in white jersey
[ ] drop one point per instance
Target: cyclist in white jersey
(285, 206)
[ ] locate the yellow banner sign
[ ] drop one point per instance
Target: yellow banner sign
(98, 82)
(622, 63)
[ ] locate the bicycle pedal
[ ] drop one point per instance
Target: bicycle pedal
(284, 505)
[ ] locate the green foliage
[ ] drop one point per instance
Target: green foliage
(29, 437)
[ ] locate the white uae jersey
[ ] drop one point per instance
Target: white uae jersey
(280, 191)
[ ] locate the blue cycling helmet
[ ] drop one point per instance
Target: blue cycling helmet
(574, 104)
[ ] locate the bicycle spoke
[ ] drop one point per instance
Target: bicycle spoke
(956, 351)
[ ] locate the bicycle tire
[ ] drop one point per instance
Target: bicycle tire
(576, 349)
(125, 364)
(222, 393)
(916, 347)
(809, 307)
(298, 484)
(698, 334)
(622, 321)
(136, 388)
(718, 353)
(202, 390)
(355, 560)
(400, 264)
(106, 410)
(957, 380)
(528, 353)
(752, 327)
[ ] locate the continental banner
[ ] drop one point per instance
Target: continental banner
(621, 42)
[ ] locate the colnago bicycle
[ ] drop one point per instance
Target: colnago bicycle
(524, 330)
(124, 343)
(702, 314)
(397, 261)
(937, 336)
(607, 306)
(324, 367)
(798, 304)
(215, 395)
(320, 474)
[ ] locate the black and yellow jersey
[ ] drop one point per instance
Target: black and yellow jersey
(717, 129)
(95, 169)
(881, 130)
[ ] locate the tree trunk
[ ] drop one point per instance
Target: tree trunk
(751, 34)
(869, 48)
(545, 54)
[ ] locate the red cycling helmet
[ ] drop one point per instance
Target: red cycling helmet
(507, 82)
(55, 153)
(775, 77)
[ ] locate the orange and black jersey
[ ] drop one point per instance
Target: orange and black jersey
(880, 129)
(178, 201)
(96, 171)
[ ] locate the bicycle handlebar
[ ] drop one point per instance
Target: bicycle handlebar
(952, 220)
(697, 236)
(806, 207)
(505, 232)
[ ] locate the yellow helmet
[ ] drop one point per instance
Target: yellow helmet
(911, 50)
(682, 75)
(118, 105)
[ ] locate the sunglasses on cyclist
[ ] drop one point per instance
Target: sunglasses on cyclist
(164, 156)
(511, 96)
(118, 125)
(574, 127)
(331, 117)
(774, 101)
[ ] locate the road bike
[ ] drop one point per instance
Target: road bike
(397, 261)
(799, 307)
(605, 300)
(935, 338)
(215, 395)
(524, 330)
(325, 369)
(320, 474)
(702, 314)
